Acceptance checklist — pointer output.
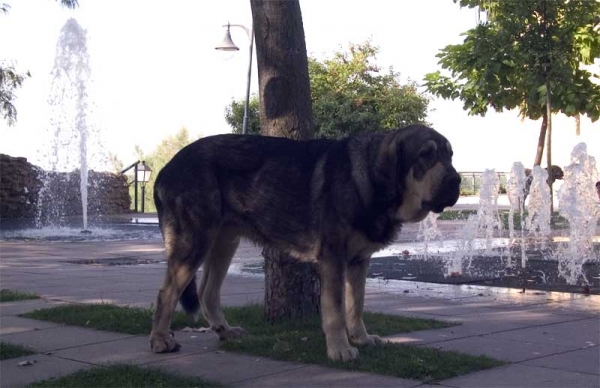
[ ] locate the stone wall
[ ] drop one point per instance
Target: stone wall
(19, 187)
(22, 190)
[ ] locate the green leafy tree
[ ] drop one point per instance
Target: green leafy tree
(526, 55)
(10, 79)
(234, 115)
(158, 158)
(350, 94)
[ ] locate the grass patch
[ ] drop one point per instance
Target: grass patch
(8, 350)
(456, 214)
(556, 221)
(7, 295)
(305, 342)
(123, 376)
(298, 341)
(108, 317)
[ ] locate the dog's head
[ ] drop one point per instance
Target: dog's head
(425, 178)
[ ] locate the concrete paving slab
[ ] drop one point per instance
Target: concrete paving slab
(317, 376)
(12, 325)
(226, 368)
(45, 367)
(445, 309)
(500, 349)
(437, 335)
(25, 306)
(574, 335)
(206, 340)
(133, 350)
(513, 319)
(523, 376)
(401, 312)
(581, 360)
(61, 337)
(573, 308)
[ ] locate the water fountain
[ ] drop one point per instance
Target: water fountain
(579, 206)
(72, 149)
(560, 260)
(539, 215)
(69, 126)
(515, 189)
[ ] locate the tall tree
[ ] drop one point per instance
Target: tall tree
(526, 55)
(350, 94)
(291, 287)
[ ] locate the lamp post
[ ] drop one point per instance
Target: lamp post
(228, 45)
(142, 175)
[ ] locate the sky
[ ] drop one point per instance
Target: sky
(154, 70)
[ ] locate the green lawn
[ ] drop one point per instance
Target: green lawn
(305, 342)
(300, 341)
(456, 214)
(556, 221)
(7, 295)
(117, 376)
(8, 350)
(109, 317)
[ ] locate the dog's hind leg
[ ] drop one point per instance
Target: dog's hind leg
(356, 276)
(332, 310)
(185, 252)
(213, 273)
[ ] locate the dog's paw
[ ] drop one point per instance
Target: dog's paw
(232, 332)
(368, 340)
(161, 344)
(343, 354)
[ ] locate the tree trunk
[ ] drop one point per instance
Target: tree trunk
(549, 144)
(541, 141)
(291, 287)
(577, 124)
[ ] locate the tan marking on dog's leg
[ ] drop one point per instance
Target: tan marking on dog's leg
(356, 275)
(214, 272)
(332, 311)
(185, 253)
(177, 278)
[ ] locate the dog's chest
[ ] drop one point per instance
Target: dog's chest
(358, 245)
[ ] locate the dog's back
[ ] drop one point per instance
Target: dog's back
(259, 185)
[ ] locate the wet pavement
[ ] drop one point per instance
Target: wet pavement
(549, 339)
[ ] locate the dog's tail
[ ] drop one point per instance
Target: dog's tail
(189, 298)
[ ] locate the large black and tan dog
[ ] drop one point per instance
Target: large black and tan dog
(335, 202)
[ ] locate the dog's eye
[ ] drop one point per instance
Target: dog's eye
(428, 154)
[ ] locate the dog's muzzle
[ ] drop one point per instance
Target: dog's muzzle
(448, 192)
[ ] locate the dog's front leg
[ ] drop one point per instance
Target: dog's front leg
(356, 276)
(332, 310)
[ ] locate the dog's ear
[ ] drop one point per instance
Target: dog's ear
(426, 157)
(387, 164)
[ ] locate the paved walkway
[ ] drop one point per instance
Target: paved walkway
(550, 339)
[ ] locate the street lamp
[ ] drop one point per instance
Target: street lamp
(228, 45)
(142, 175)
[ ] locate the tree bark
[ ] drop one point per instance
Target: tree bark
(292, 288)
(541, 141)
(549, 144)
